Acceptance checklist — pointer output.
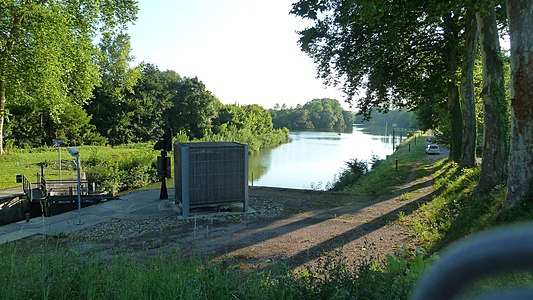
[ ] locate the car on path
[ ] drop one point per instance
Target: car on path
(432, 149)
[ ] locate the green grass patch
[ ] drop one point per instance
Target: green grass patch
(52, 270)
(27, 161)
(386, 177)
(459, 210)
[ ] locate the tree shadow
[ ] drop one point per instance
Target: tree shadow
(253, 233)
(263, 231)
(357, 232)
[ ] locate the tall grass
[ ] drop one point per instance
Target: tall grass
(56, 272)
(27, 161)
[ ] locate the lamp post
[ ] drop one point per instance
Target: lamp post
(74, 152)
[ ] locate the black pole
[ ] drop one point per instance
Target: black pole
(393, 140)
(163, 195)
(396, 163)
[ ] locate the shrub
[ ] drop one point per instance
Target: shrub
(356, 169)
(122, 173)
(107, 177)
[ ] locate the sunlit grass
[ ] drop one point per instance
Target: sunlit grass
(26, 161)
(386, 177)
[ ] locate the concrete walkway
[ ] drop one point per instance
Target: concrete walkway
(11, 193)
(134, 206)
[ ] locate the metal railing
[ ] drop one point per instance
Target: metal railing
(500, 251)
(26, 186)
(42, 184)
(68, 188)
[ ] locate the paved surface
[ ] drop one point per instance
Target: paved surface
(11, 193)
(133, 206)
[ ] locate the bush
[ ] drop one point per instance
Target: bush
(348, 177)
(106, 175)
(122, 173)
(138, 171)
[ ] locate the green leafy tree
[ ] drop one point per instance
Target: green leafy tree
(258, 118)
(114, 108)
(408, 54)
(192, 108)
(403, 54)
(316, 114)
(46, 52)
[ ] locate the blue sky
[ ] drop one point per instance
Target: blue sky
(245, 51)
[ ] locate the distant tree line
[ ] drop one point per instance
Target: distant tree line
(316, 114)
(402, 119)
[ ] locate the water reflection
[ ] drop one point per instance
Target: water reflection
(314, 158)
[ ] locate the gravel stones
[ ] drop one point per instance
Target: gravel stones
(124, 229)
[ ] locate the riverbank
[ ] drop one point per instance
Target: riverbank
(289, 227)
(116, 168)
(308, 244)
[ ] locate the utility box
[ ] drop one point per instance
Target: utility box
(210, 173)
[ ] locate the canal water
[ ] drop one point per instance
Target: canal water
(313, 158)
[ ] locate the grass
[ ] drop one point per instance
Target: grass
(51, 269)
(26, 161)
(459, 210)
(387, 177)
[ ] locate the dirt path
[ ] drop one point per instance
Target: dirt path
(295, 227)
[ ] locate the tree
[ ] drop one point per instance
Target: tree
(192, 108)
(46, 51)
(520, 179)
(451, 55)
(113, 107)
(468, 103)
(316, 114)
(404, 54)
(495, 107)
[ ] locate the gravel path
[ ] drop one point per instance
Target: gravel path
(294, 227)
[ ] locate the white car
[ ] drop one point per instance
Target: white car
(432, 149)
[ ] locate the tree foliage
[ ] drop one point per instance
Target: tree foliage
(316, 114)
(46, 61)
(192, 107)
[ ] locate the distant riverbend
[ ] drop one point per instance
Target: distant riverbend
(313, 158)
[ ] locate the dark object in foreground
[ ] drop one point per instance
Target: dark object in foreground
(504, 250)
(163, 162)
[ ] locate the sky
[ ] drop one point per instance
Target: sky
(244, 51)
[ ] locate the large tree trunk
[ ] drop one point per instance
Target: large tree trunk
(520, 181)
(2, 113)
(454, 104)
(468, 105)
(495, 107)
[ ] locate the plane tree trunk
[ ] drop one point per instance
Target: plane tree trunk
(520, 179)
(468, 104)
(2, 114)
(451, 32)
(495, 107)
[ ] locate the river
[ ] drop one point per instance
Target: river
(313, 158)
